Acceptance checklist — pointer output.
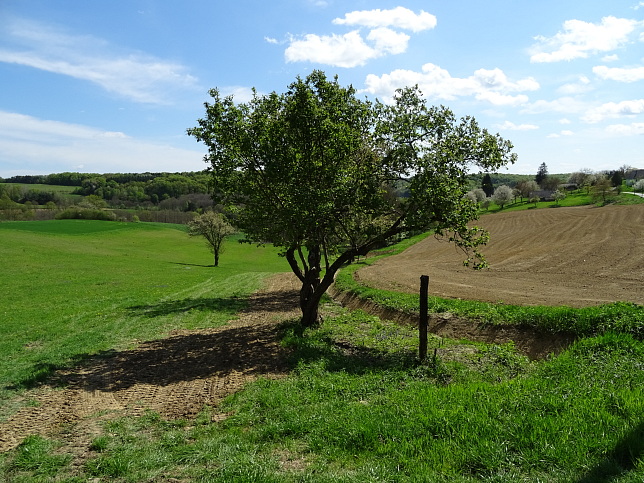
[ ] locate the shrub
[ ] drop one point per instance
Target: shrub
(78, 213)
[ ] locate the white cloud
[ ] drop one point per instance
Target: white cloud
(564, 121)
(348, 50)
(485, 85)
(566, 105)
(581, 86)
(633, 129)
(612, 110)
(579, 39)
(610, 58)
(633, 74)
(134, 75)
(388, 41)
(560, 134)
(510, 126)
(42, 146)
(399, 17)
(353, 48)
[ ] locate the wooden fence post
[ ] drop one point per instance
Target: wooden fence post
(424, 319)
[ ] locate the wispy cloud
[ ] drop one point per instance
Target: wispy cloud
(510, 126)
(488, 85)
(634, 129)
(32, 145)
(579, 39)
(134, 75)
(632, 74)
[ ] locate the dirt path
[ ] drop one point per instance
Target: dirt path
(175, 376)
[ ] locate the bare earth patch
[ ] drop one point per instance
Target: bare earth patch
(175, 376)
(578, 257)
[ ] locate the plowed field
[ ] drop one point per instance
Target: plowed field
(579, 256)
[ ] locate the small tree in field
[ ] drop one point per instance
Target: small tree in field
(315, 171)
(476, 195)
(558, 196)
(639, 186)
(602, 189)
(502, 195)
(214, 228)
(526, 188)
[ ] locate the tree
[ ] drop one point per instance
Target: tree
(639, 186)
(558, 196)
(526, 188)
(542, 173)
(314, 171)
(486, 185)
(602, 189)
(550, 183)
(616, 179)
(476, 195)
(580, 177)
(502, 195)
(214, 228)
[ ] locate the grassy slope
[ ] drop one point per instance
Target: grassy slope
(72, 288)
(359, 407)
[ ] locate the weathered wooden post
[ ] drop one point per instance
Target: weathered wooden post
(424, 319)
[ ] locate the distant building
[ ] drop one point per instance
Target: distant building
(544, 195)
(634, 174)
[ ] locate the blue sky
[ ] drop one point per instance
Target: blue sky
(112, 85)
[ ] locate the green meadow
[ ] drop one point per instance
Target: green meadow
(357, 406)
(72, 288)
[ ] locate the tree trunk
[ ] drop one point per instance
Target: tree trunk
(309, 294)
(216, 259)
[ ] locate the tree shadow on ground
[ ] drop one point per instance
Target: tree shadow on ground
(341, 356)
(627, 454)
(169, 307)
(193, 265)
(245, 350)
(273, 302)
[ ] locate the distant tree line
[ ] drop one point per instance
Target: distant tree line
(502, 189)
(186, 191)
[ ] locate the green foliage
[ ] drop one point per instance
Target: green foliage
(316, 169)
(81, 213)
(214, 228)
(542, 174)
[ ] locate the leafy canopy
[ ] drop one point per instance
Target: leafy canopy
(317, 170)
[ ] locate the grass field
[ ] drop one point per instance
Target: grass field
(357, 406)
(68, 190)
(71, 288)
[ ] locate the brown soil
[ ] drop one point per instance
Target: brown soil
(175, 376)
(579, 257)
